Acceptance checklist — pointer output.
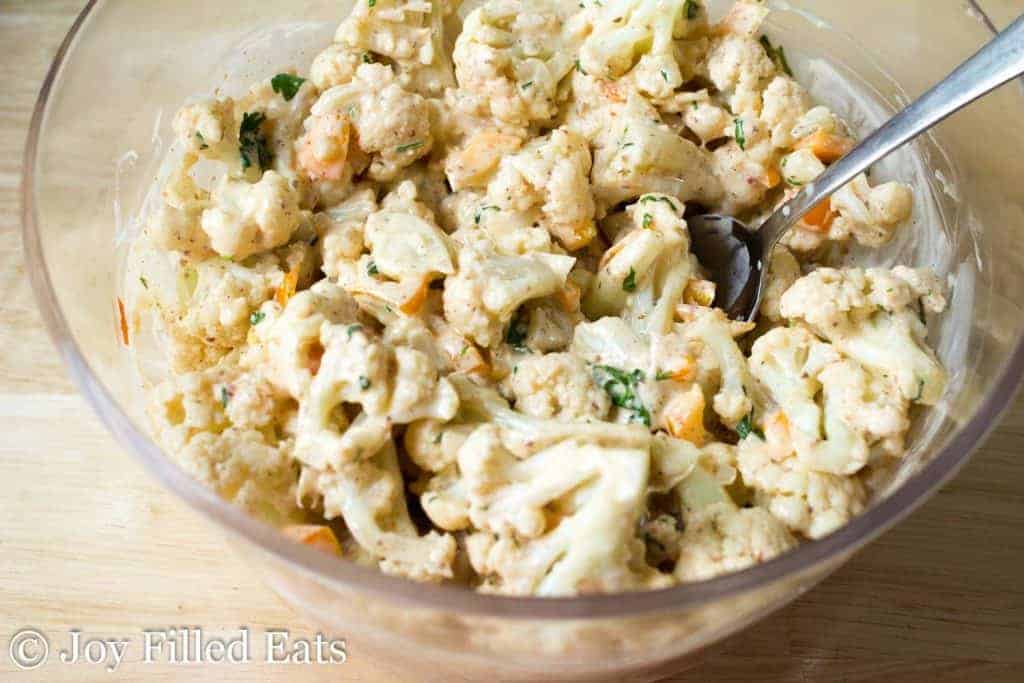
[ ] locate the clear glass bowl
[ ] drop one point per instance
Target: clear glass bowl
(102, 123)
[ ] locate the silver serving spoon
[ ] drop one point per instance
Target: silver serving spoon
(737, 257)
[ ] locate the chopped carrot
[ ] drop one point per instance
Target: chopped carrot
(414, 303)
(316, 536)
(122, 321)
(771, 178)
(828, 147)
(287, 288)
(684, 416)
(686, 371)
(820, 218)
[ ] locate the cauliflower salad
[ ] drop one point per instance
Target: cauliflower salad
(434, 308)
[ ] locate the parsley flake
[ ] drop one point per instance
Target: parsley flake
(252, 144)
(661, 375)
(409, 147)
(517, 331)
(257, 317)
(777, 55)
(651, 198)
(692, 9)
(629, 284)
(143, 281)
(364, 382)
(202, 141)
(746, 427)
(647, 220)
(225, 396)
(352, 329)
(286, 85)
(480, 213)
(371, 269)
(621, 387)
(739, 133)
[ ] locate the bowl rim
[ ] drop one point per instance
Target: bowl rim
(371, 582)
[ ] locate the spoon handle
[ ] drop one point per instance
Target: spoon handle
(995, 64)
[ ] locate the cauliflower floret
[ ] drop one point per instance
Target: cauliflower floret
(783, 272)
(243, 468)
(784, 101)
(388, 123)
(558, 385)
(211, 314)
(718, 536)
(734, 383)
(647, 267)
(739, 67)
(480, 299)
(596, 495)
(336, 65)
(393, 385)
(409, 33)
(872, 316)
(860, 411)
(368, 493)
(286, 343)
(811, 503)
(249, 218)
(549, 178)
(870, 214)
(509, 60)
(340, 230)
(635, 153)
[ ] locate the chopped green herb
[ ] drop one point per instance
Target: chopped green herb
(371, 3)
(664, 74)
(286, 85)
(741, 136)
(661, 375)
(225, 396)
(517, 331)
(367, 58)
(652, 198)
(692, 9)
(746, 427)
(371, 268)
(364, 382)
(629, 284)
(202, 141)
(409, 147)
(527, 84)
(252, 144)
(352, 329)
(647, 220)
(920, 390)
(777, 55)
(257, 317)
(578, 67)
(480, 213)
(621, 387)
(143, 281)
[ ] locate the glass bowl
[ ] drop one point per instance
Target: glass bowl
(102, 123)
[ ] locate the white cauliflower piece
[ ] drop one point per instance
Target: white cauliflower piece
(783, 272)
(393, 385)
(625, 33)
(409, 33)
(811, 503)
(590, 545)
(482, 296)
(340, 230)
(336, 65)
(647, 267)
(370, 496)
(388, 123)
(718, 536)
(211, 314)
(557, 385)
(509, 60)
(549, 178)
(868, 214)
(735, 384)
(872, 316)
(739, 67)
(249, 218)
(783, 102)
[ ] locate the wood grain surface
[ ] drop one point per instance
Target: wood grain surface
(89, 541)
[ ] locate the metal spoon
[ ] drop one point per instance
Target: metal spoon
(737, 258)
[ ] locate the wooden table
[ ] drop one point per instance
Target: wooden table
(89, 541)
